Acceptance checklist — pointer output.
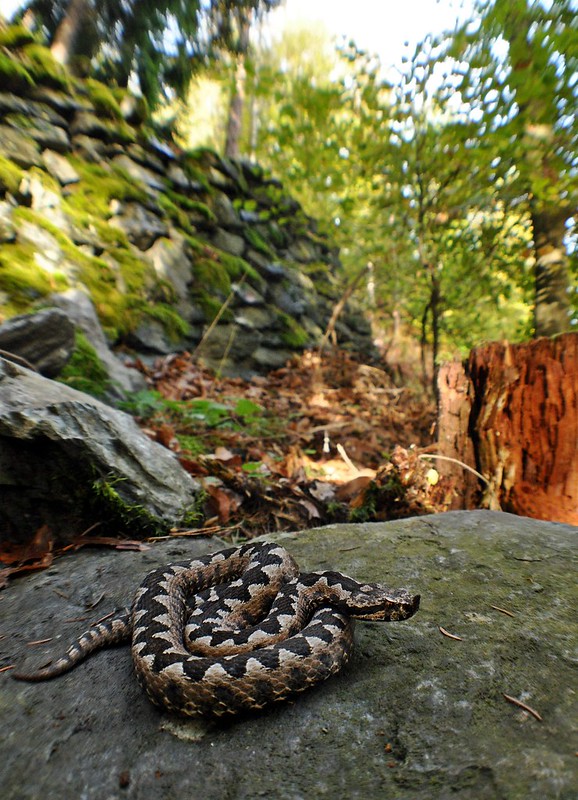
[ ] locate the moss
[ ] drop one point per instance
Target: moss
(205, 156)
(111, 236)
(316, 268)
(109, 505)
(136, 272)
(118, 289)
(211, 306)
(92, 195)
(247, 205)
(14, 77)
(196, 245)
(277, 236)
(22, 280)
(43, 68)
(139, 113)
(196, 175)
(214, 269)
(177, 214)
(174, 325)
(212, 275)
(103, 99)
(10, 176)
(48, 181)
(257, 242)
(293, 334)
(194, 206)
(119, 131)
(195, 513)
(84, 370)
(237, 267)
(15, 36)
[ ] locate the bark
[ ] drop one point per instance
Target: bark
(552, 301)
(66, 35)
(520, 418)
(454, 409)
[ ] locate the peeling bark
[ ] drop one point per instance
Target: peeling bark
(522, 425)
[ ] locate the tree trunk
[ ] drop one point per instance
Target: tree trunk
(433, 308)
(237, 104)
(66, 35)
(552, 301)
(520, 421)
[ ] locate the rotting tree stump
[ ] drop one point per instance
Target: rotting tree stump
(511, 413)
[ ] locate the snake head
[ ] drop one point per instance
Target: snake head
(363, 600)
(375, 602)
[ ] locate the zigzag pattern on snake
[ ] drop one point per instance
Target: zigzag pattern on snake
(237, 630)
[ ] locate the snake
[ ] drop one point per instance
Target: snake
(236, 630)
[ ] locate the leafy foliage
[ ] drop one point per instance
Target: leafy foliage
(456, 182)
(515, 74)
(405, 188)
(160, 42)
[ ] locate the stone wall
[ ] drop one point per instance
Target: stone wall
(164, 242)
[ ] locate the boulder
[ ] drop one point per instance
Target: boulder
(45, 340)
(140, 173)
(60, 168)
(48, 135)
(141, 226)
(19, 147)
(68, 461)
(7, 227)
(271, 358)
(416, 715)
(45, 202)
(229, 242)
(150, 336)
(172, 262)
(89, 124)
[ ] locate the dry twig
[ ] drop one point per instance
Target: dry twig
(450, 635)
(503, 610)
(523, 706)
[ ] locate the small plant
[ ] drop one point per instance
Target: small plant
(191, 445)
(367, 511)
(118, 513)
(188, 416)
(144, 404)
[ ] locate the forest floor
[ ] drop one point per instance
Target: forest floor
(325, 439)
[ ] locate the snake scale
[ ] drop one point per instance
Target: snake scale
(237, 630)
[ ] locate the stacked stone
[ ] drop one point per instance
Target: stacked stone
(281, 303)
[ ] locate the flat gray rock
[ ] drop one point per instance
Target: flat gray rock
(61, 449)
(416, 715)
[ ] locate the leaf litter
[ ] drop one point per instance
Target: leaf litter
(324, 439)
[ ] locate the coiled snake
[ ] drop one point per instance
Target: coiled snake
(237, 630)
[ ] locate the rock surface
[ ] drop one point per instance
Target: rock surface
(79, 308)
(45, 339)
(415, 716)
(61, 450)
